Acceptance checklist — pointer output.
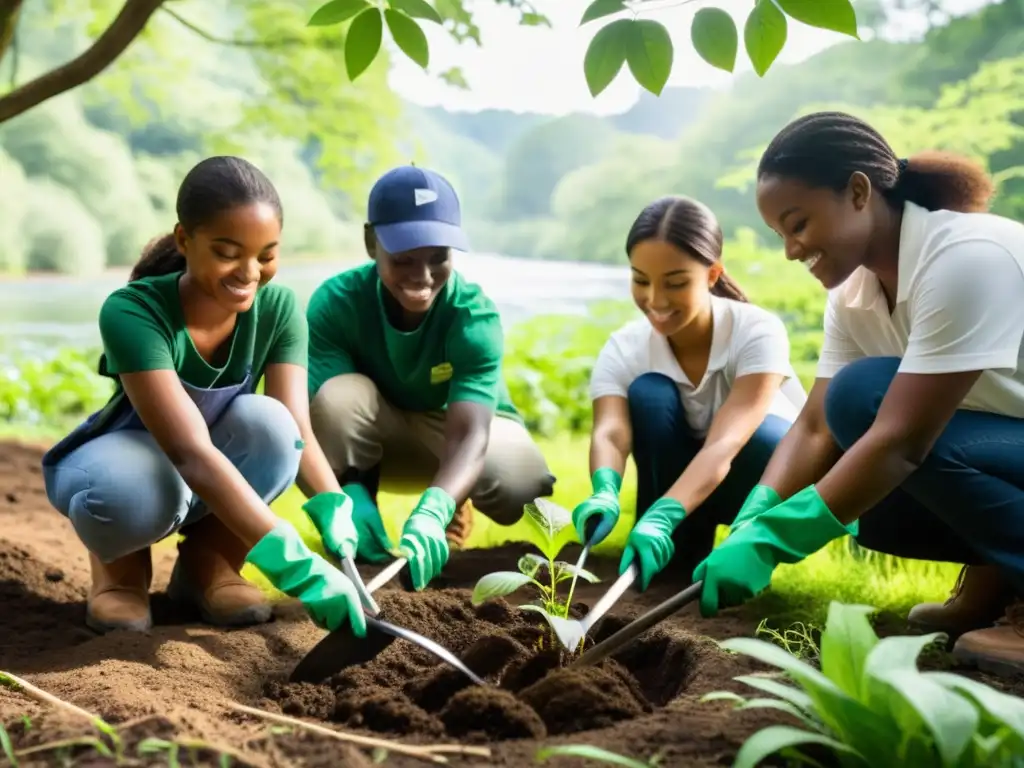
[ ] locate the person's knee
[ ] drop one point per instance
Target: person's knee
(652, 397)
(344, 404)
(512, 477)
(118, 506)
(262, 432)
(854, 396)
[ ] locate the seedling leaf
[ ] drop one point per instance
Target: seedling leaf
(1003, 710)
(589, 752)
(794, 696)
(775, 738)
(530, 564)
(554, 523)
(498, 584)
(568, 570)
(845, 644)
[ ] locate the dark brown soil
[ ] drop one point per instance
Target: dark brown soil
(180, 681)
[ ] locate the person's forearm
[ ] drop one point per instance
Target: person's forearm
(212, 477)
(315, 473)
(701, 477)
(461, 464)
(872, 469)
(800, 459)
(608, 450)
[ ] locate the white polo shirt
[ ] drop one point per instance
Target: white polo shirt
(959, 307)
(745, 339)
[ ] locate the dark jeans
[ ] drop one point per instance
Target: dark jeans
(663, 446)
(964, 504)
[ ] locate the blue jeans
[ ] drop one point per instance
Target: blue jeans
(122, 493)
(964, 504)
(663, 446)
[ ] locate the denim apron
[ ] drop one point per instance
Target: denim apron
(211, 402)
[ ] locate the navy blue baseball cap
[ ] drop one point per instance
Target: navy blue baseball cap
(412, 207)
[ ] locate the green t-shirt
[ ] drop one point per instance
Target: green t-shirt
(454, 355)
(143, 329)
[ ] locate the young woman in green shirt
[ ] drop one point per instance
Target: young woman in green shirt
(185, 445)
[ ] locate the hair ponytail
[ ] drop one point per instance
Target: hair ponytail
(690, 226)
(825, 149)
(943, 181)
(160, 257)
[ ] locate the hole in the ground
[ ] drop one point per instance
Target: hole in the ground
(407, 691)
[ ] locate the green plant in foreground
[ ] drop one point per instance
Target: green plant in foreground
(593, 753)
(553, 523)
(870, 705)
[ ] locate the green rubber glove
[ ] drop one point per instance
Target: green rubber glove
(423, 536)
(759, 499)
(329, 597)
(375, 545)
(650, 541)
(604, 503)
(331, 514)
(742, 565)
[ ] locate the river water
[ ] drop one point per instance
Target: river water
(40, 313)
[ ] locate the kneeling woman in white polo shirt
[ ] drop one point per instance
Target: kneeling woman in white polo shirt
(700, 390)
(912, 438)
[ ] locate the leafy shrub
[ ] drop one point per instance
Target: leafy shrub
(62, 235)
(870, 705)
(55, 391)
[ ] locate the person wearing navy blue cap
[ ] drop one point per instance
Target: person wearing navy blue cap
(405, 381)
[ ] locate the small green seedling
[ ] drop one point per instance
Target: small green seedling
(871, 707)
(545, 574)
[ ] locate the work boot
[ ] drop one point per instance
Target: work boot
(206, 574)
(978, 598)
(119, 596)
(458, 530)
(998, 649)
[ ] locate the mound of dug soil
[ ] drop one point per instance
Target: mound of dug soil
(408, 691)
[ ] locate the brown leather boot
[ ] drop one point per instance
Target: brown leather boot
(999, 649)
(979, 597)
(206, 574)
(119, 596)
(458, 530)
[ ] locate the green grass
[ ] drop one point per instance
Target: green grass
(799, 592)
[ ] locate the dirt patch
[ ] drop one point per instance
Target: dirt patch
(531, 692)
(180, 682)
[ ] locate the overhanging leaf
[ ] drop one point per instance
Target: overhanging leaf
(336, 11)
(606, 54)
(764, 35)
(649, 54)
(834, 15)
(408, 36)
(601, 8)
(775, 738)
(498, 584)
(362, 42)
(418, 9)
(845, 644)
(715, 38)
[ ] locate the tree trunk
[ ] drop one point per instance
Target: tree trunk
(9, 10)
(112, 43)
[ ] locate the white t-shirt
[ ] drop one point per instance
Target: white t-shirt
(959, 307)
(745, 339)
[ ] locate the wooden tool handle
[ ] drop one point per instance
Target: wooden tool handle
(637, 627)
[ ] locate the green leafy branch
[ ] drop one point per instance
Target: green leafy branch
(642, 44)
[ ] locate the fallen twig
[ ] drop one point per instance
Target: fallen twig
(47, 698)
(431, 753)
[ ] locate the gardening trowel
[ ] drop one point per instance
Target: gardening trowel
(341, 649)
(637, 627)
(572, 632)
